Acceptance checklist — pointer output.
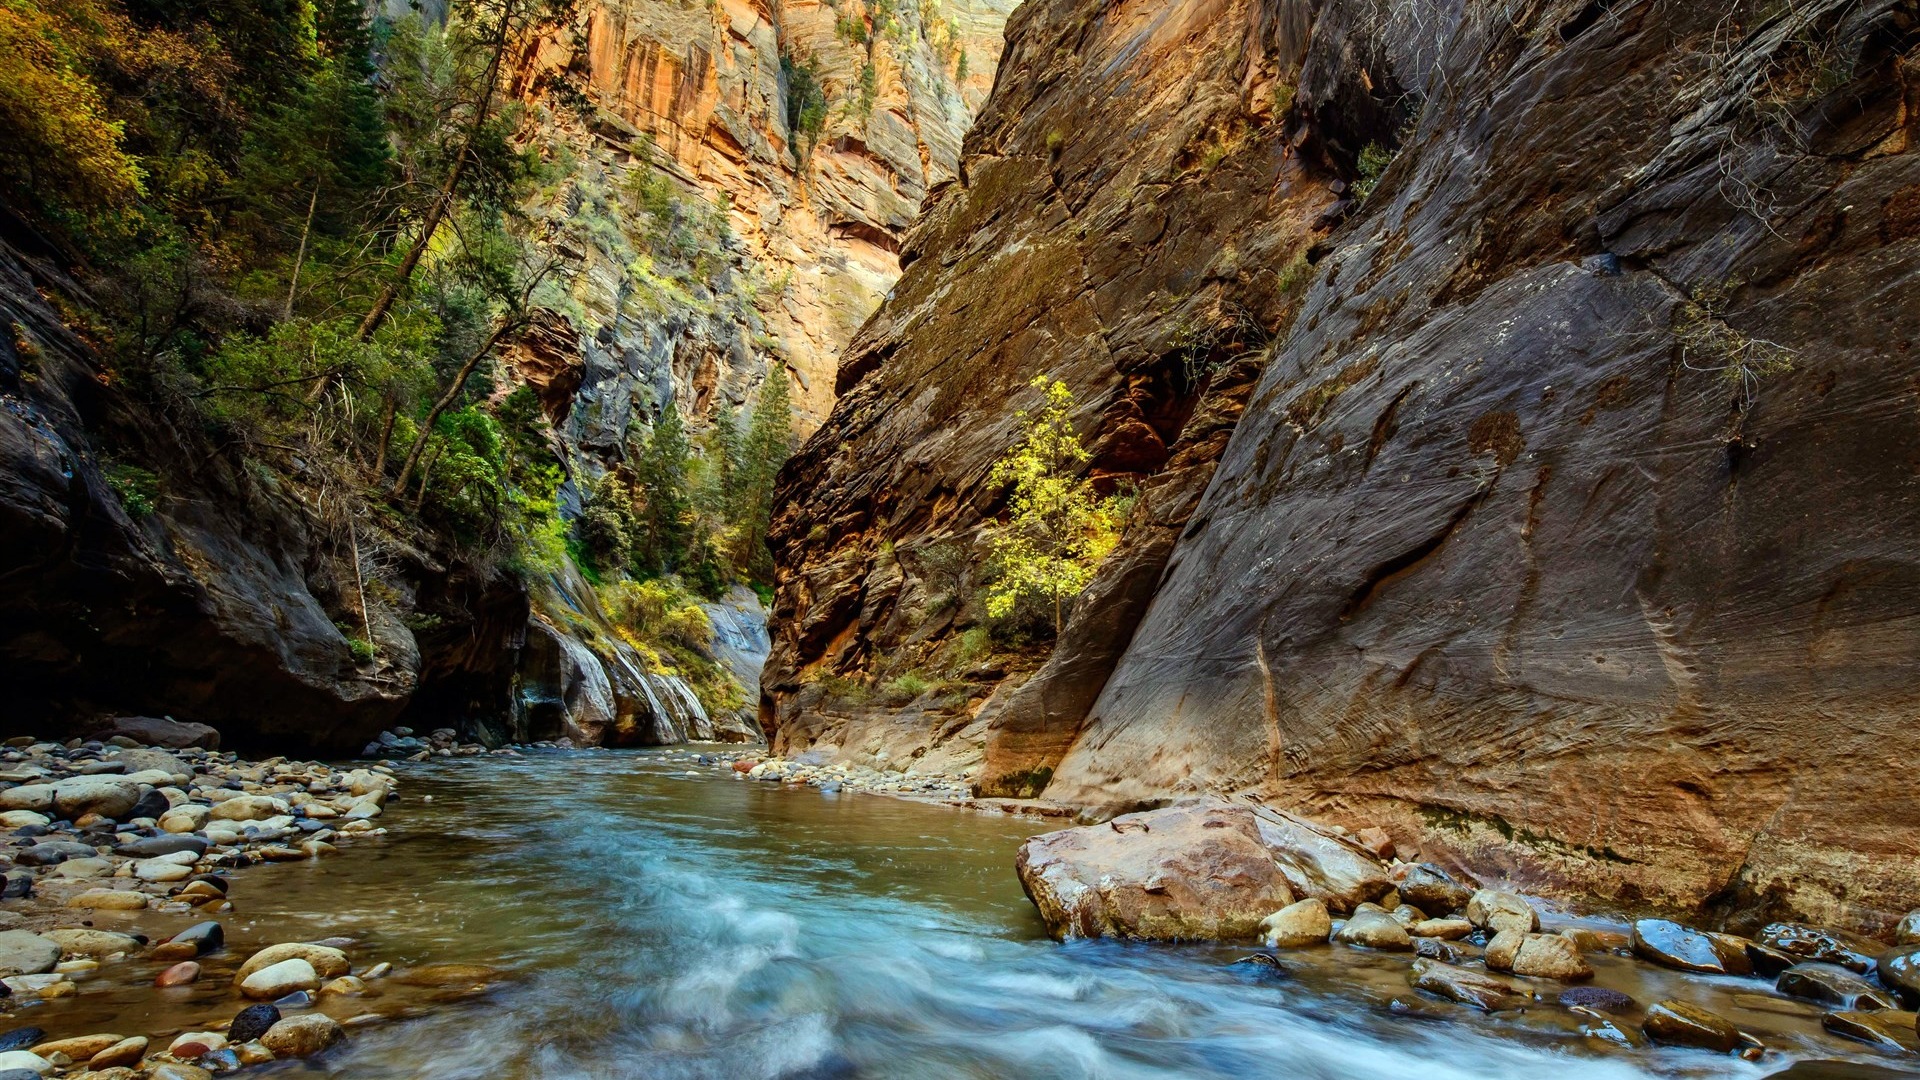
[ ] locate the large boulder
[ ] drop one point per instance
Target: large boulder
(1670, 944)
(1194, 871)
(160, 731)
(1321, 863)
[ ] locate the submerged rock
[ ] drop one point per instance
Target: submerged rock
(1193, 871)
(1673, 945)
(1597, 998)
(1678, 1023)
(24, 953)
(1831, 984)
(1487, 993)
(1887, 1029)
(1540, 956)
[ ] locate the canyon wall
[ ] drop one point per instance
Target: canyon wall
(1567, 529)
(700, 240)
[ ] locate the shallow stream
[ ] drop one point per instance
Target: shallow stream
(662, 925)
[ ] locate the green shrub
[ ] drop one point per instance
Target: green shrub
(362, 650)
(1373, 163)
(137, 489)
(907, 687)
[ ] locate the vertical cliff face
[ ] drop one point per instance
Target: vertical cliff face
(800, 218)
(1133, 219)
(1567, 530)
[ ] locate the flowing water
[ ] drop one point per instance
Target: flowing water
(661, 925)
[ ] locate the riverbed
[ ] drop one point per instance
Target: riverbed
(665, 921)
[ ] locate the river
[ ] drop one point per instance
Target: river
(662, 925)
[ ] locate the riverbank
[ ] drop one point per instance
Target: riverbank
(121, 883)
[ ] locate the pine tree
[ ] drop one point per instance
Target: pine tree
(662, 473)
(768, 444)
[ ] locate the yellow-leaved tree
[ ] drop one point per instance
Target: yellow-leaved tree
(1059, 527)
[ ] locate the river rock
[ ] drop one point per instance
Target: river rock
(302, 1036)
(1318, 862)
(36, 797)
(1888, 1029)
(83, 869)
(24, 953)
(54, 852)
(186, 818)
(345, 986)
(1597, 998)
(279, 979)
(180, 974)
(153, 803)
(149, 847)
(1446, 929)
(1446, 952)
(1906, 933)
(1899, 971)
(20, 819)
(445, 975)
(176, 867)
(193, 1044)
(125, 1052)
(174, 1070)
(1831, 984)
(80, 1047)
(1305, 922)
(1838, 1070)
(248, 808)
(1196, 870)
(203, 937)
(1493, 911)
(1372, 927)
(251, 1023)
(1433, 890)
(156, 731)
(84, 942)
(1540, 956)
(1822, 945)
(1488, 993)
(328, 962)
(1670, 944)
(107, 796)
(109, 900)
(21, 1038)
(1677, 1023)
(22, 1061)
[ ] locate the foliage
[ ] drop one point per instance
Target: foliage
(664, 533)
(1373, 163)
(1058, 527)
(606, 525)
(137, 489)
(1708, 342)
(806, 105)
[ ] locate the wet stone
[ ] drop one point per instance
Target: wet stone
(1670, 944)
(1488, 993)
(1433, 890)
(1677, 1023)
(1908, 931)
(1825, 946)
(1372, 928)
(1900, 972)
(21, 1038)
(1493, 911)
(1597, 998)
(1888, 1029)
(1831, 984)
(252, 1023)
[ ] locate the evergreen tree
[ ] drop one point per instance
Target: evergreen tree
(662, 472)
(768, 444)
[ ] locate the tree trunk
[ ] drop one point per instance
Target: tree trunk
(443, 200)
(386, 434)
(446, 400)
(300, 259)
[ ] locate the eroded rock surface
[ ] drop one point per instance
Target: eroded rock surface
(1573, 498)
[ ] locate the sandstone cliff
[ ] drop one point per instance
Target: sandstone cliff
(1567, 530)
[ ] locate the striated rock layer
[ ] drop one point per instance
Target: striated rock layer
(1568, 530)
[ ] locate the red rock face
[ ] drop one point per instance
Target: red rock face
(1526, 546)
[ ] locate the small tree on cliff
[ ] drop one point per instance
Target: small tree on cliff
(1059, 527)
